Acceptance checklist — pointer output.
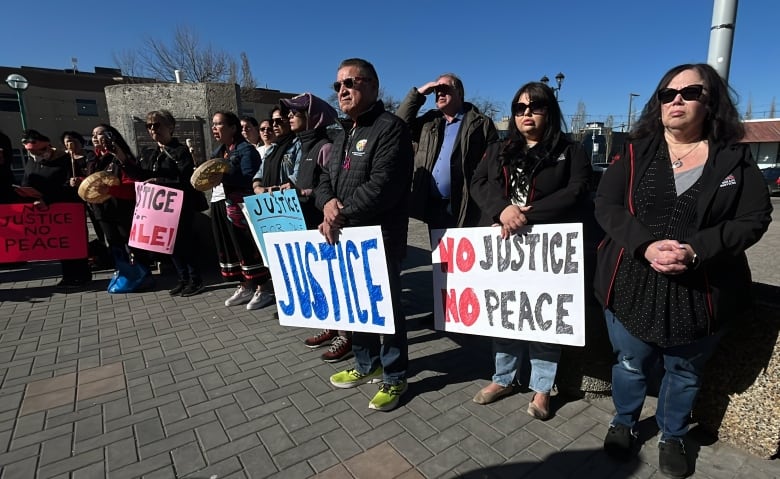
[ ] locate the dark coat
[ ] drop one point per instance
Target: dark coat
(476, 132)
(733, 211)
(370, 171)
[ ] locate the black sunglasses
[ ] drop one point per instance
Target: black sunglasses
(536, 107)
(348, 82)
(266, 128)
(689, 93)
(154, 125)
(278, 121)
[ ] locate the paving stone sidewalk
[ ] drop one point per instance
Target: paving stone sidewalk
(94, 385)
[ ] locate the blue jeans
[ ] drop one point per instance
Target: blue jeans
(544, 362)
(392, 350)
(680, 385)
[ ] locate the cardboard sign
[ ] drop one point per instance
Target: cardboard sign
(156, 217)
(30, 233)
(342, 286)
(273, 212)
(530, 286)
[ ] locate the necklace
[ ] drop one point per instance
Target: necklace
(678, 162)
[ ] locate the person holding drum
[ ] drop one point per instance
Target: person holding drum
(114, 189)
(170, 164)
(235, 161)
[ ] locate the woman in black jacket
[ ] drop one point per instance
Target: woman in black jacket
(170, 164)
(679, 208)
(536, 176)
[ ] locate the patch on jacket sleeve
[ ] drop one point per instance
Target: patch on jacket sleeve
(728, 181)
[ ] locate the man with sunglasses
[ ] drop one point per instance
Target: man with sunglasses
(366, 182)
(451, 140)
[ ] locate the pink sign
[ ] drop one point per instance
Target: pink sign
(32, 233)
(156, 217)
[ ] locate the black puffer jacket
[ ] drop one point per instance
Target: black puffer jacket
(370, 171)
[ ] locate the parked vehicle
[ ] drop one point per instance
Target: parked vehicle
(772, 178)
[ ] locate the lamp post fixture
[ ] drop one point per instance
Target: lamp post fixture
(558, 79)
(630, 104)
(19, 84)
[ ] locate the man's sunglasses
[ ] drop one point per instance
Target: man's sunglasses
(536, 107)
(348, 82)
(689, 93)
(278, 121)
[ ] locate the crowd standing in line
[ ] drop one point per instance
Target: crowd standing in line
(679, 207)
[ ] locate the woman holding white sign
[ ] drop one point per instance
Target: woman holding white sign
(679, 206)
(536, 176)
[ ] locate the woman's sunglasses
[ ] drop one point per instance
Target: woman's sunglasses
(536, 107)
(689, 93)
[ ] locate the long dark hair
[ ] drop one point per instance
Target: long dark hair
(721, 125)
(118, 140)
(522, 164)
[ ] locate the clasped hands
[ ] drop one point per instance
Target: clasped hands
(332, 222)
(669, 256)
(511, 219)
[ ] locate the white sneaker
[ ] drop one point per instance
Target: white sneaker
(261, 299)
(240, 296)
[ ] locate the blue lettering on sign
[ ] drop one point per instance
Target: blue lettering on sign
(301, 283)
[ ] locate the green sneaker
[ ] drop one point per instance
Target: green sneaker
(388, 396)
(352, 378)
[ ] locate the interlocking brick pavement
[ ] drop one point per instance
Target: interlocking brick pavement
(145, 385)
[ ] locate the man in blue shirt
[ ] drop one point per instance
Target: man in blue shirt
(451, 140)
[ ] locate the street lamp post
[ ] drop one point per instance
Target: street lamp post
(19, 84)
(558, 79)
(630, 104)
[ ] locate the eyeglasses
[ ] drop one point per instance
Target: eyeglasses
(536, 107)
(266, 128)
(349, 82)
(155, 125)
(689, 93)
(278, 121)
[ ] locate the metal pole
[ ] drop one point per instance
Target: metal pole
(21, 109)
(724, 19)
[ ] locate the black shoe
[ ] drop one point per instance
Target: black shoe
(618, 442)
(177, 290)
(672, 460)
(192, 289)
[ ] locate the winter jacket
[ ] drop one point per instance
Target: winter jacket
(173, 168)
(369, 172)
(244, 161)
(476, 132)
(315, 151)
(732, 213)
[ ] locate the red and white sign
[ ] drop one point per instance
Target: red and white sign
(32, 233)
(156, 217)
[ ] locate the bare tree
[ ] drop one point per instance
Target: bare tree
(609, 122)
(158, 59)
(579, 119)
(486, 106)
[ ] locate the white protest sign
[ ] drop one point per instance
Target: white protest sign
(530, 286)
(343, 286)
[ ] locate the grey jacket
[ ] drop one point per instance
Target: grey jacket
(476, 132)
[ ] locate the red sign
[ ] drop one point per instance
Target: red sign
(31, 233)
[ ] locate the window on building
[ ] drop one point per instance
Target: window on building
(86, 107)
(9, 102)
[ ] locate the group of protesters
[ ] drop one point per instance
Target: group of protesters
(672, 217)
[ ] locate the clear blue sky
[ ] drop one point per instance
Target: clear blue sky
(605, 49)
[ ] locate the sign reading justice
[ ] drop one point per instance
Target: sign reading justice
(30, 233)
(341, 286)
(529, 286)
(273, 212)
(156, 217)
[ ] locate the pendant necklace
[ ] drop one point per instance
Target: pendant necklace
(678, 162)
